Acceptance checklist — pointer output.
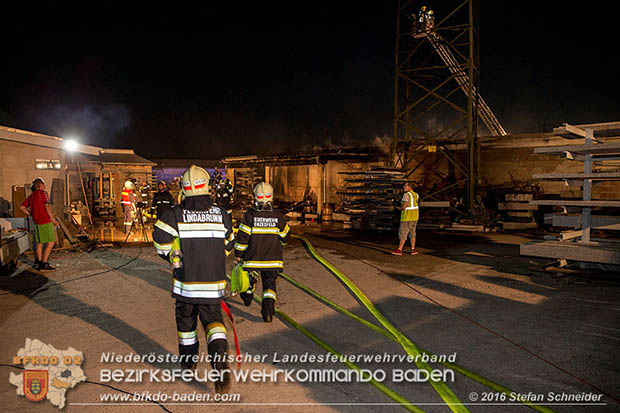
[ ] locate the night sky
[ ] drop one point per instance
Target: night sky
(208, 81)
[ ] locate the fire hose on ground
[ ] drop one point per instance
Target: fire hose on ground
(380, 386)
(440, 387)
(392, 333)
(459, 369)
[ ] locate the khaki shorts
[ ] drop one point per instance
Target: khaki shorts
(407, 229)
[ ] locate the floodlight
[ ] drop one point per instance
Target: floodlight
(71, 145)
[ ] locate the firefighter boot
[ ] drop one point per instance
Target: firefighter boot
(268, 309)
(218, 349)
(269, 298)
(249, 294)
(247, 298)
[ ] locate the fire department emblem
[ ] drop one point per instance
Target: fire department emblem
(36, 384)
(48, 372)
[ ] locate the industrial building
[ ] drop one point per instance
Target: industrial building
(84, 175)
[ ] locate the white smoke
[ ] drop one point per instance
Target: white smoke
(92, 121)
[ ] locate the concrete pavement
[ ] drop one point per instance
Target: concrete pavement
(466, 294)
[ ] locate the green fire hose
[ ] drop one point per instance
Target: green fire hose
(390, 332)
(382, 387)
(440, 387)
(459, 369)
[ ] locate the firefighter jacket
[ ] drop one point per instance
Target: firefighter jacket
(127, 197)
(162, 200)
(224, 192)
(204, 236)
(260, 239)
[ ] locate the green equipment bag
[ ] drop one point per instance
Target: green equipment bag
(239, 279)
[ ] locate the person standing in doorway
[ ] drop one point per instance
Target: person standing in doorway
(37, 205)
(409, 216)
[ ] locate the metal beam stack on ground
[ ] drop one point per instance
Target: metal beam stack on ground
(577, 244)
(370, 198)
(518, 212)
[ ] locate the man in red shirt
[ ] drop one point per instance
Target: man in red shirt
(37, 205)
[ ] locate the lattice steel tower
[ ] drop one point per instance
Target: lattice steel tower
(436, 98)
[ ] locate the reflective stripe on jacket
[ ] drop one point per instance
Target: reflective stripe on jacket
(260, 239)
(127, 197)
(411, 211)
(204, 235)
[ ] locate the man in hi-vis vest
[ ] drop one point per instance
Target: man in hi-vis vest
(409, 216)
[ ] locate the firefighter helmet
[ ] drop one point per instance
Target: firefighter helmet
(263, 195)
(239, 279)
(195, 181)
(128, 184)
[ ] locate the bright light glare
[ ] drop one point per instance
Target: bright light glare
(71, 145)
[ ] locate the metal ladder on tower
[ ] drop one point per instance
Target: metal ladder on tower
(458, 70)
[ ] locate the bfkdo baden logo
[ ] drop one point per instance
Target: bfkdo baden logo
(35, 384)
(48, 372)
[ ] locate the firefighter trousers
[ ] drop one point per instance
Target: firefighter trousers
(128, 218)
(187, 315)
(268, 279)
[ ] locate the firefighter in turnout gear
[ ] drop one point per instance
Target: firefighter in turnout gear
(262, 234)
(196, 236)
(223, 193)
(162, 200)
(128, 202)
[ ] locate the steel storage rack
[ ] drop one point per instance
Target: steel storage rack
(577, 244)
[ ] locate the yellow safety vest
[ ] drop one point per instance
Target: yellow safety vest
(411, 212)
